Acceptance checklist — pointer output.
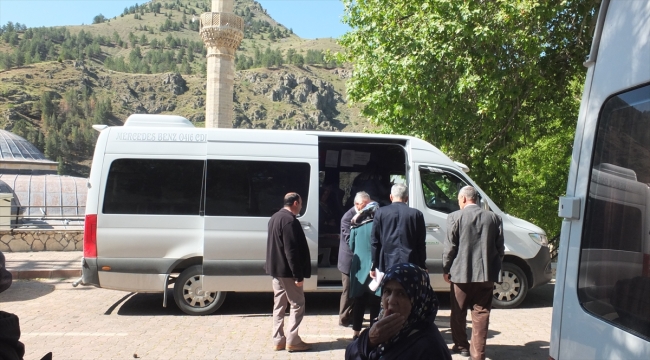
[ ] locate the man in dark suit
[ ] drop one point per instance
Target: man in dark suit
(289, 263)
(471, 263)
(398, 233)
(361, 199)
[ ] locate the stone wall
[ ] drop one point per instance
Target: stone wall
(41, 240)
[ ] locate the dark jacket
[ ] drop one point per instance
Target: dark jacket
(10, 347)
(345, 254)
(426, 344)
(398, 236)
(474, 247)
(287, 252)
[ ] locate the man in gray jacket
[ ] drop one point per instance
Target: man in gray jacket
(471, 263)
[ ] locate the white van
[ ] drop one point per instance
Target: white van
(601, 305)
(171, 203)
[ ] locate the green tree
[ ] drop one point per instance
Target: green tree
(98, 19)
(488, 82)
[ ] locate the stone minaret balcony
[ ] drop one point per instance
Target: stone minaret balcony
(222, 31)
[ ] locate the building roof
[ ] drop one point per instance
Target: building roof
(46, 200)
(16, 148)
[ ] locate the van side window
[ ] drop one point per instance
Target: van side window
(154, 187)
(253, 188)
(614, 275)
(440, 190)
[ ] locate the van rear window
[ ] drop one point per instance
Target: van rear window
(154, 187)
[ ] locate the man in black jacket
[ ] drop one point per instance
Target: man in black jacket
(288, 262)
(398, 233)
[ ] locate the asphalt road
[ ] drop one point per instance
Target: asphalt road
(86, 322)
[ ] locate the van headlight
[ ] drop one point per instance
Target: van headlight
(540, 239)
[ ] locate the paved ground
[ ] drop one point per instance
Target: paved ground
(44, 264)
(87, 323)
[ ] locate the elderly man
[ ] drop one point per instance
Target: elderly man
(288, 262)
(398, 233)
(345, 256)
(471, 263)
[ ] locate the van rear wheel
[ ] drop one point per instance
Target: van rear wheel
(512, 290)
(190, 296)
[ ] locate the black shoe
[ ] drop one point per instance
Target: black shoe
(458, 350)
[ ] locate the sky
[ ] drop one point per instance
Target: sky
(309, 19)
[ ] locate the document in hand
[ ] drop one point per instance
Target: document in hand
(374, 284)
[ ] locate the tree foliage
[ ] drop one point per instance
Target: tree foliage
(491, 83)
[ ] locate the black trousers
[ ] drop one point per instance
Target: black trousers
(359, 309)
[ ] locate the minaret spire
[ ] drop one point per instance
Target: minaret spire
(222, 31)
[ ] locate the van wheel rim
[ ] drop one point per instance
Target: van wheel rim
(508, 290)
(194, 295)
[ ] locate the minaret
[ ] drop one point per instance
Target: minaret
(222, 31)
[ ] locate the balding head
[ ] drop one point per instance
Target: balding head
(399, 193)
(467, 195)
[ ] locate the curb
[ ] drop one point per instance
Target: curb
(45, 274)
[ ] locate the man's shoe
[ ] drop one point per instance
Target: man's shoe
(458, 350)
(303, 346)
(279, 347)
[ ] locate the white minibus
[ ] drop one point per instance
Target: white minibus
(169, 203)
(601, 305)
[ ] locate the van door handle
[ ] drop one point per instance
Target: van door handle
(433, 227)
(305, 224)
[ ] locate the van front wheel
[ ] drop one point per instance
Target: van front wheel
(512, 290)
(190, 296)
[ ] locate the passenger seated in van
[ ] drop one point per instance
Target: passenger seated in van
(372, 183)
(327, 218)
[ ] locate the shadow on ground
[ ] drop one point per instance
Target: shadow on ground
(22, 290)
(534, 350)
(260, 304)
(538, 297)
(242, 304)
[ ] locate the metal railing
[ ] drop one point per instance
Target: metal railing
(56, 217)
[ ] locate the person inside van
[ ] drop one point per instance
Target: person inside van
(373, 182)
(327, 216)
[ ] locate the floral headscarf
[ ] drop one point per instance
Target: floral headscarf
(366, 214)
(424, 303)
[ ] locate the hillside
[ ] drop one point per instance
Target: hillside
(57, 82)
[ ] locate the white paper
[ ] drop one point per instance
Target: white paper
(374, 284)
(347, 158)
(361, 158)
(332, 158)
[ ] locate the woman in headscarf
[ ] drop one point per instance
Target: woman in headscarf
(361, 228)
(405, 329)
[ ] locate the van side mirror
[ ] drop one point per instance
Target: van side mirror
(485, 205)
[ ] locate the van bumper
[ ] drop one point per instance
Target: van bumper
(540, 267)
(89, 275)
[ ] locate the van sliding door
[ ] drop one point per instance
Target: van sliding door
(242, 193)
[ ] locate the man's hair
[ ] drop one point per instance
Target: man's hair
(362, 196)
(290, 198)
(470, 193)
(399, 191)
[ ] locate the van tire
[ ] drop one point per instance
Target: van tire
(512, 290)
(189, 295)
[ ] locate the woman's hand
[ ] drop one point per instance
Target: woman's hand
(386, 328)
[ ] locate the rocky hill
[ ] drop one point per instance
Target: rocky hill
(57, 82)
